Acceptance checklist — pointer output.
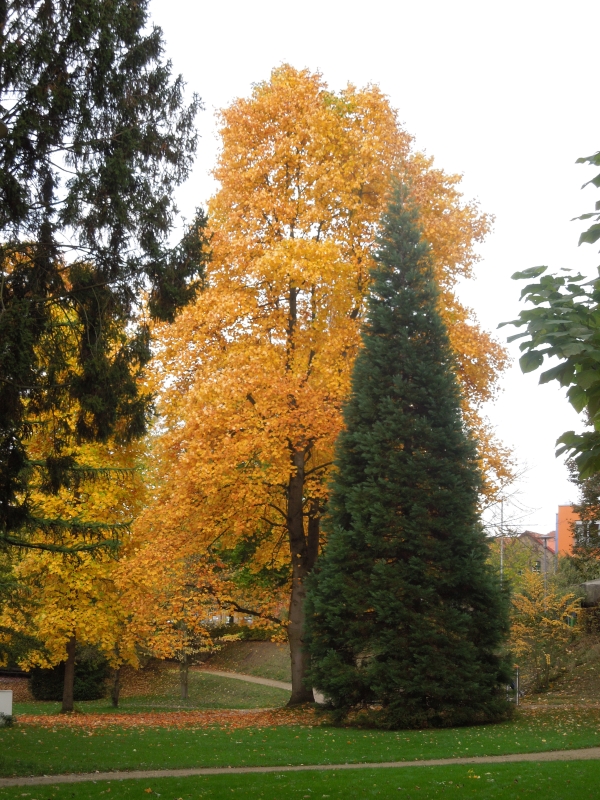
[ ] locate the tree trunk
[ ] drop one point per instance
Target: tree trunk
(303, 555)
(115, 691)
(67, 701)
(299, 657)
(183, 677)
(314, 530)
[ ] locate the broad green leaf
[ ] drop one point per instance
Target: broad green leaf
(530, 361)
(578, 398)
(587, 378)
(595, 182)
(591, 235)
(516, 335)
(553, 374)
(516, 322)
(573, 349)
(592, 355)
(587, 465)
(568, 438)
(593, 159)
(532, 272)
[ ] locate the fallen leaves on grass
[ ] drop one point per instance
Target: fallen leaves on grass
(563, 719)
(559, 711)
(184, 719)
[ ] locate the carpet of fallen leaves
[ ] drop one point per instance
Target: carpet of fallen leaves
(19, 687)
(184, 719)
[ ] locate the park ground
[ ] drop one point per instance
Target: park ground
(233, 724)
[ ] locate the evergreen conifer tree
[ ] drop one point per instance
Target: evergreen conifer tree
(95, 135)
(403, 612)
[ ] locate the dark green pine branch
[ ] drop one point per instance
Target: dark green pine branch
(93, 536)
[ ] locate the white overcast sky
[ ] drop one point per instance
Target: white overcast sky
(504, 93)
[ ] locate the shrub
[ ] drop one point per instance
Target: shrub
(246, 633)
(90, 681)
(544, 624)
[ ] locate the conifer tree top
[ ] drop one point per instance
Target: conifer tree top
(404, 414)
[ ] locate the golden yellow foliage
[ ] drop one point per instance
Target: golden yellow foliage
(60, 595)
(543, 625)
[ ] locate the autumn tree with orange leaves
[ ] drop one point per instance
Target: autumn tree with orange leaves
(253, 376)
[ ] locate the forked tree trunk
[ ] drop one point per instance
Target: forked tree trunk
(303, 551)
(115, 691)
(183, 677)
(69, 682)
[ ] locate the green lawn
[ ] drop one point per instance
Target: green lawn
(205, 691)
(35, 750)
(553, 781)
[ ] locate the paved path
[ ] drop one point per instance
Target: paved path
(238, 676)
(590, 753)
(319, 696)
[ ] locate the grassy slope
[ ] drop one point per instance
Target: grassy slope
(581, 684)
(33, 750)
(263, 659)
(578, 779)
(205, 691)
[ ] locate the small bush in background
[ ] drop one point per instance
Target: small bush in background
(244, 633)
(91, 672)
(544, 624)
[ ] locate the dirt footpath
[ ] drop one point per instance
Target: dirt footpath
(591, 753)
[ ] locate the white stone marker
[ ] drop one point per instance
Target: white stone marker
(320, 698)
(6, 702)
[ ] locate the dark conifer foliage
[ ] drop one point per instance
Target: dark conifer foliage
(404, 614)
(94, 137)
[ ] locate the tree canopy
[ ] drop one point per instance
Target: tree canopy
(252, 376)
(564, 323)
(97, 136)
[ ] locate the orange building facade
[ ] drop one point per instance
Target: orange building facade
(565, 520)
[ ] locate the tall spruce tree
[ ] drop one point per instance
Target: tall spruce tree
(403, 612)
(94, 137)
